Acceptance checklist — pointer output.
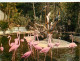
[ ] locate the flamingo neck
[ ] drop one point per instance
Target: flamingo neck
(31, 48)
(19, 39)
(72, 39)
(9, 41)
(17, 34)
(49, 38)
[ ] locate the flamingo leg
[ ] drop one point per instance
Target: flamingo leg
(14, 54)
(27, 59)
(37, 38)
(38, 56)
(51, 54)
(33, 57)
(72, 50)
(13, 57)
(57, 50)
(24, 59)
(45, 58)
(34, 53)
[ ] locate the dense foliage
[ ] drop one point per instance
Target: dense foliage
(3, 25)
(23, 13)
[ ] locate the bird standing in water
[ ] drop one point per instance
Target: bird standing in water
(50, 44)
(72, 44)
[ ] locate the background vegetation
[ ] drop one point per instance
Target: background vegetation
(24, 13)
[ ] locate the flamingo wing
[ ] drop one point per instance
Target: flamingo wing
(27, 54)
(14, 47)
(45, 50)
(37, 47)
(72, 45)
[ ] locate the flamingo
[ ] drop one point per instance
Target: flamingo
(27, 54)
(10, 44)
(16, 40)
(72, 44)
(36, 35)
(57, 44)
(14, 48)
(28, 39)
(45, 51)
(1, 48)
(38, 48)
(50, 44)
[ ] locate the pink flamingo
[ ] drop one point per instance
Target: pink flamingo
(1, 48)
(72, 44)
(28, 39)
(38, 48)
(57, 44)
(36, 35)
(50, 44)
(36, 32)
(45, 51)
(10, 44)
(49, 38)
(16, 40)
(14, 48)
(27, 54)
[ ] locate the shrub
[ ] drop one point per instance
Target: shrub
(3, 26)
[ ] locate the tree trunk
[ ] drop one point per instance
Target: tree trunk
(34, 10)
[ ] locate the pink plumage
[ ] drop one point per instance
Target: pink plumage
(1, 48)
(37, 47)
(35, 43)
(57, 44)
(45, 50)
(16, 40)
(14, 47)
(72, 45)
(27, 54)
(28, 39)
(12, 44)
(51, 45)
(22, 40)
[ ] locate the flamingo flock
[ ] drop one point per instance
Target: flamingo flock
(33, 45)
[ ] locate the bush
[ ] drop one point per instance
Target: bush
(3, 25)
